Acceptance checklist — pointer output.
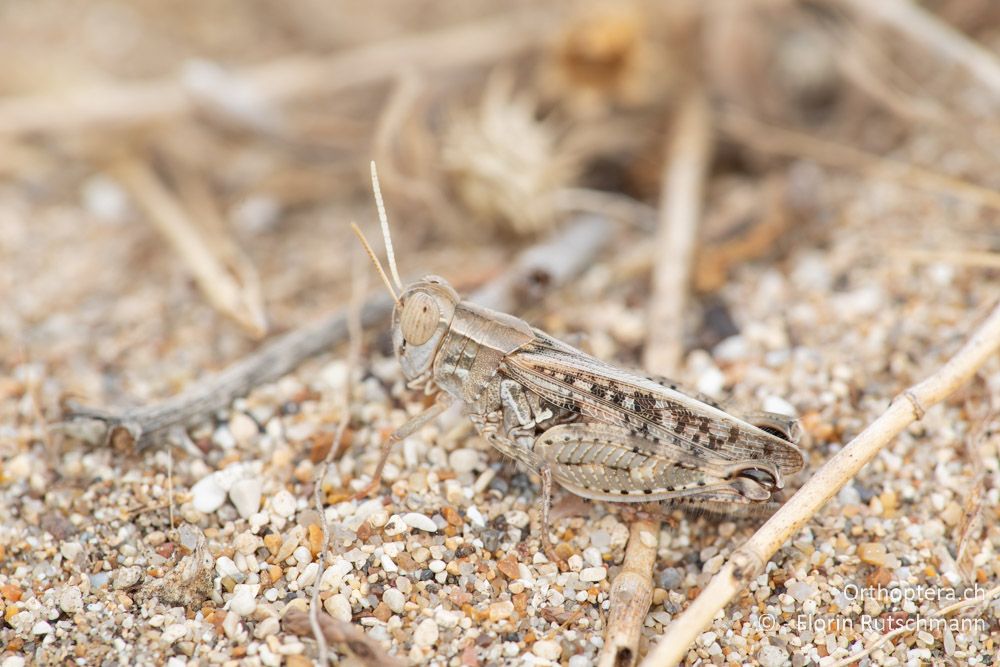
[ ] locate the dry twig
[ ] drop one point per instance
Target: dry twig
(215, 279)
(364, 648)
(538, 270)
(911, 19)
(681, 194)
(749, 560)
(781, 141)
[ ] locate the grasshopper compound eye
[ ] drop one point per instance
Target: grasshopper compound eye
(419, 318)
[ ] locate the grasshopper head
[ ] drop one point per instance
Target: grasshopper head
(419, 323)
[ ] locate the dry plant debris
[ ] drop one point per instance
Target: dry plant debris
(854, 183)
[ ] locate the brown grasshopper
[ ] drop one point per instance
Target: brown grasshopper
(599, 431)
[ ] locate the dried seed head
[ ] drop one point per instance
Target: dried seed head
(505, 163)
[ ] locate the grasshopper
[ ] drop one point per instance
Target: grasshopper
(599, 431)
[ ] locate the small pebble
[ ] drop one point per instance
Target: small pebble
(283, 504)
(547, 649)
(426, 633)
(173, 632)
(71, 600)
(464, 460)
(338, 607)
(245, 496)
(772, 656)
(593, 574)
(207, 495)
(501, 610)
(420, 522)
(243, 602)
(873, 553)
(394, 599)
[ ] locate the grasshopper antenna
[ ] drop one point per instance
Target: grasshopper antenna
(378, 265)
(384, 220)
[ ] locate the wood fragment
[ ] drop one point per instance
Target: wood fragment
(630, 596)
(749, 560)
(351, 637)
(537, 271)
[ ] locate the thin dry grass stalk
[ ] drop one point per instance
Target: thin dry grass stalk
(684, 172)
(216, 278)
(126, 105)
(911, 19)
(781, 141)
(749, 559)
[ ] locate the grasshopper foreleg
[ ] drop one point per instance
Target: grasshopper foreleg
(443, 402)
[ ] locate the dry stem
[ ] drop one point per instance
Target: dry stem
(781, 141)
(683, 184)
(127, 105)
(911, 19)
(537, 270)
(215, 280)
(749, 560)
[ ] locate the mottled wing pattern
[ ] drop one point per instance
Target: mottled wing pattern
(664, 421)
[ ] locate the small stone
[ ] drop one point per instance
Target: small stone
(41, 628)
(283, 503)
(452, 516)
(772, 656)
(12, 661)
(243, 428)
(244, 602)
(269, 626)
(426, 633)
(801, 591)
(71, 600)
(593, 574)
(394, 526)
(873, 553)
(225, 566)
(245, 495)
(338, 607)
(547, 650)
(273, 542)
(315, 538)
(126, 577)
(394, 599)
(475, 516)
(714, 564)
(207, 495)
(173, 633)
(419, 522)
(501, 610)
(382, 612)
(508, 566)
(464, 460)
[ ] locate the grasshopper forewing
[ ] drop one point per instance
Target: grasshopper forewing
(597, 430)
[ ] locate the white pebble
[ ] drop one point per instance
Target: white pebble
(388, 564)
(547, 649)
(394, 599)
(395, 526)
(227, 568)
(245, 496)
(41, 628)
(436, 566)
(71, 600)
(207, 495)
(338, 607)
(593, 557)
(308, 576)
(426, 633)
(772, 656)
(464, 460)
(244, 602)
(269, 626)
(173, 632)
(420, 522)
(475, 516)
(12, 661)
(283, 503)
(593, 574)
(243, 428)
